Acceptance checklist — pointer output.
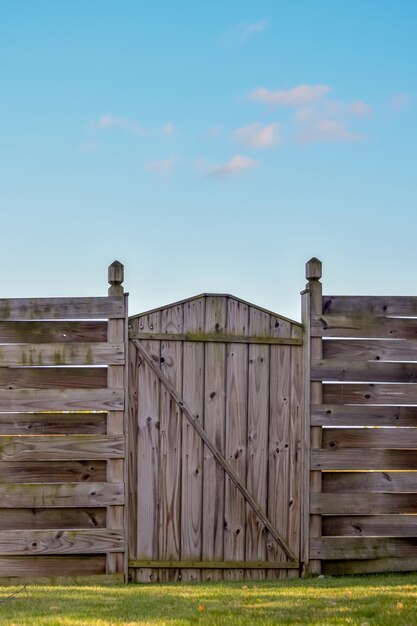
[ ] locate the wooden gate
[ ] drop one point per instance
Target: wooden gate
(361, 360)
(215, 442)
(62, 396)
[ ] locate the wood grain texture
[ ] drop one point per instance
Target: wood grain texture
(370, 393)
(236, 436)
(362, 325)
(53, 354)
(52, 471)
(257, 452)
(214, 425)
(32, 495)
(336, 548)
(53, 423)
(74, 541)
(34, 400)
(368, 438)
(51, 566)
(401, 306)
(170, 442)
(337, 568)
(52, 332)
(339, 415)
(15, 309)
(370, 526)
(362, 350)
(61, 448)
(370, 371)
(357, 459)
(37, 519)
(363, 503)
(192, 445)
(53, 377)
(376, 482)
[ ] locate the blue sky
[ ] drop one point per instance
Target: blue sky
(210, 146)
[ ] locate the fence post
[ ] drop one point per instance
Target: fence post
(311, 304)
(116, 379)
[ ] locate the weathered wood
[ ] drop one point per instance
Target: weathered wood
(34, 400)
(363, 503)
(363, 547)
(52, 332)
(214, 426)
(36, 519)
(32, 495)
(52, 423)
(370, 371)
(361, 350)
(306, 423)
(42, 354)
(52, 377)
(65, 448)
(75, 541)
(51, 566)
(170, 445)
(192, 445)
(388, 438)
(370, 393)
(370, 526)
(236, 565)
(357, 459)
(339, 415)
(148, 449)
(217, 338)
(362, 325)
(337, 568)
(236, 437)
(99, 580)
(376, 482)
(52, 471)
(400, 306)
(214, 450)
(15, 309)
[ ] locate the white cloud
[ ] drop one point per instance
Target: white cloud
(242, 31)
(257, 136)
(357, 108)
(236, 165)
(168, 129)
(111, 121)
(400, 101)
(164, 166)
(297, 96)
(327, 130)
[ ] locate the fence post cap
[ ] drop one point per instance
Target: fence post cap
(115, 278)
(313, 269)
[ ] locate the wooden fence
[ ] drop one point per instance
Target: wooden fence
(62, 436)
(215, 434)
(361, 360)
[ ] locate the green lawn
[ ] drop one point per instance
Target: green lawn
(362, 600)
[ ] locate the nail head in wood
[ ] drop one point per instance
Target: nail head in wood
(313, 269)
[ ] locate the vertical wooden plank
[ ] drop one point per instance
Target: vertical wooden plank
(116, 563)
(192, 446)
(236, 435)
(147, 453)
(257, 455)
(313, 275)
(214, 420)
(279, 441)
(170, 453)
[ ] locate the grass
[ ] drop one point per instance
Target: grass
(359, 600)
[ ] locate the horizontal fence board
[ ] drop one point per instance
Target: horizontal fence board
(52, 332)
(214, 564)
(61, 448)
(401, 306)
(38, 519)
(340, 415)
(50, 354)
(377, 482)
(370, 525)
(53, 377)
(363, 547)
(360, 325)
(371, 371)
(337, 568)
(82, 495)
(34, 400)
(103, 579)
(53, 423)
(357, 459)
(52, 471)
(51, 566)
(386, 438)
(369, 393)
(58, 541)
(358, 350)
(217, 338)
(14, 309)
(363, 503)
